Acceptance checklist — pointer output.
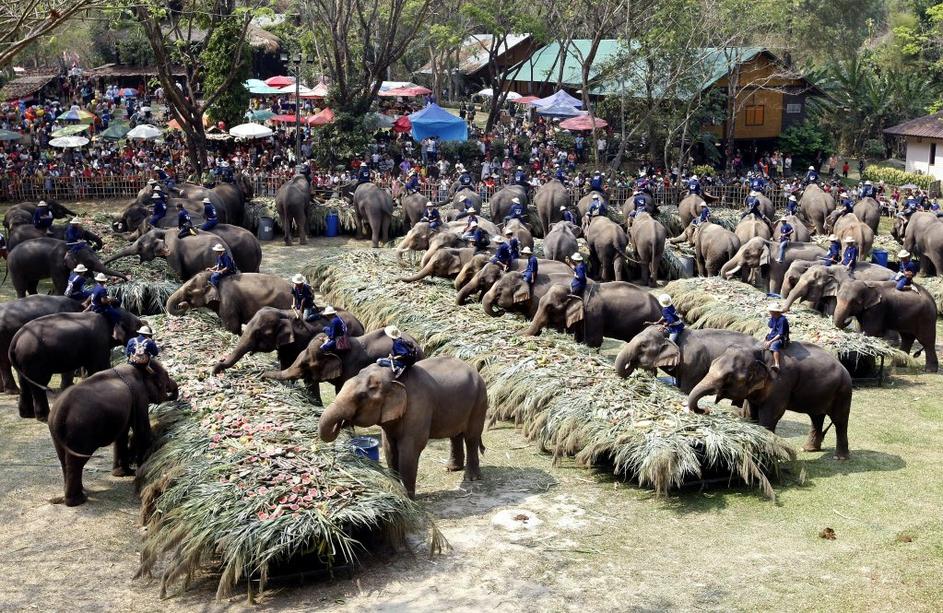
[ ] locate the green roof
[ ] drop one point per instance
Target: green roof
(543, 65)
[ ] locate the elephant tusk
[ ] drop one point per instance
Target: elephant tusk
(734, 271)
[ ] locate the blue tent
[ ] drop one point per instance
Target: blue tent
(436, 121)
(559, 97)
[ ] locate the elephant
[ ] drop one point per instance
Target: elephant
(479, 275)
(607, 246)
(63, 343)
(850, 225)
(500, 203)
(439, 397)
(50, 258)
(281, 331)
(237, 299)
(880, 306)
(187, 257)
(102, 410)
(459, 198)
(759, 255)
(512, 293)
(584, 203)
(615, 309)
(22, 233)
(689, 209)
(549, 198)
(229, 199)
(446, 263)
(136, 217)
(923, 235)
(560, 242)
(338, 367)
(374, 208)
(421, 238)
(519, 231)
(800, 232)
(687, 359)
(810, 381)
(291, 202)
(414, 207)
(815, 206)
(818, 284)
(14, 314)
(243, 246)
(751, 226)
(629, 206)
(22, 213)
(766, 206)
(867, 210)
(714, 247)
(648, 237)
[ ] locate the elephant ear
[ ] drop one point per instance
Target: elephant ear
(455, 267)
(574, 312)
(394, 404)
(332, 367)
(212, 295)
(286, 333)
(873, 297)
(764, 255)
(759, 373)
(669, 357)
(522, 294)
(831, 287)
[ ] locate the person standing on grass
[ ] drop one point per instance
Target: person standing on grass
(844, 169)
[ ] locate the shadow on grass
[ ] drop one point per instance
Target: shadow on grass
(500, 486)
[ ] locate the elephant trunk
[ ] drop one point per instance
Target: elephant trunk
(122, 253)
(424, 272)
(176, 304)
(110, 272)
(487, 303)
(730, 268)
(332, 420)
(842, 315)
(704, 388)
(537, 324)
(467, 290)
(229, 360)
(292, 373)
(625, 364)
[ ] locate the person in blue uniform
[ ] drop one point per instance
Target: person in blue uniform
(480, 239)
(811, 176)
(184, 223)
(786, 232)
(226, 174)
(363, 174)
(792, 204)
(910, 206)
(520, 177)
(513, 243)
(464, 204)
(302, 299)
(694, 185)
(847, 203)
(758, 184)
(850, 255)
(402, 355)
(578, 284)
(412, 183)
(530, 272)
(336, 331)
(595, 183)
(75, 288)
(906, 270)
(517, 210)
(465, 179)
(167, 179)
(160, 208)
(834, 251)
(670, 320)
(703, 215)
(432, 216)
(471, 222)
(73, 235)
(209, 215)
(753, 207)
(560, 175)
(639, 203)
(597, 207)
(141, 348)
(567, 215)
(99, 301)
(868, 190)
(503, 256)
(224, 265)
(778, 336)
(42, 217)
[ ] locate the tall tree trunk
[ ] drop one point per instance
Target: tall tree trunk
(733, 88)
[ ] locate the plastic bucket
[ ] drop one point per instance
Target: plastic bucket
(366, 446)
(879, 256)
(266, 231)
(332, 224)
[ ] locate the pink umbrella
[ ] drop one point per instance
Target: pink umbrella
(322, 118)
(280, 81)
(525, 100)
(583, 122)
(406, 92)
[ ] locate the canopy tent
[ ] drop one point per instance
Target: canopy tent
(511, 96)
(559, 110)
(280, 81)
(402, 125)
(68, 142)
(250, 83)
(406, 92)
(144, 132)
(250, 130)
(525, 100)
(290, 90)
(70, 130)
(318, 91)
(583, 122)
(173, 124)
(436, 121)
(322, 118)
(261, 115)
(115, 131)
(6, 135)
(557, 98)
(386, 85)
(264, 90)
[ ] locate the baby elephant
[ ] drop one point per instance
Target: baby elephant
(101, 410)
(436, 398)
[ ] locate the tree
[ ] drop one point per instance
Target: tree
(22, 23)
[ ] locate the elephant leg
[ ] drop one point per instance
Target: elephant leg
(25, 404)
(408, 452)
(302, 224)
(121, 463)
(390, 453)
(472, 446)
(6, 372)
(40, 400)
(906, 342)
(375, 227)
(929, 347)
(313, 389)
(74, 493)
(385, 232)
(457, 455)
(67, 378)
(841, 431)
(286, 227)
(619, 268)
(814, 442)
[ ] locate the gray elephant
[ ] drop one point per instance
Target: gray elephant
(187, 257)
(291, 202)
(560, 242)
(445, 263)
(515, 228)
(760, 255)
(818, 284)
(850, 226)
(105, 409)
(22, 213)
(136, 218)
(549, 198)
(608, 243)
(714, 246)
(687, 359)
(923, 235)
(615, 309)
(61, 344)
(500, 202)
(880, 307)
(480, 275)
(511, 293)
(23, 233)
(649, 206)
(584, 203)
(436, 398)
(689, 209)
(462, 199)
(750, 227)
(800, 232)
(236, 300)
(648, 238)
(50, 258)
(810, 381)
(867, 210)
(414, 207)
(374, 207)
(815, 206)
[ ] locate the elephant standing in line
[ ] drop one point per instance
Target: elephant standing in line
(136, 218)
(810, 381)
(815, 206)
(458, 203)
(560, 242)
(615, 309)
(689, 209)
(750, 227)
(21, 214)
(291, 202)
(850, 225)
(607, 246)
(237, 299)
(818, 284)
(867, 210)
(187, 257)
(923, 235)
(519, 231)
(49, 258)
(800, 232)
(14, 314)
(714, 247)
(484, 278)
(446, 263)
(512, 293)
(61, 344)
(648, 237)
(500, 202)
(687, 359)
(629, 205)
(243, 246)
(436, 398)
(374, 207)
(880, 307)
(759, 255)
(22, 233)
(421, 238)
(584, 203)
(414, 207)
(549, 198)
(102, 410)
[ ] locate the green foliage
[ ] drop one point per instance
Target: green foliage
(704, 170)
(339, 142)
(466, 152)
(217, 61)
(133, 47)
(895, 177)
(804, 142)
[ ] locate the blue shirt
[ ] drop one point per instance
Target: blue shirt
(302, 297)
(73, 233)
(517, 211)
(595, 183)
(705, 213)
(911, 265)
(834, 249)
(850, 256)
(412, 184)
(672, 320)
(568, 216)
(99, 294)
(224, 263)
(183, 219)
(639, 201)
(363, 174)
(598, 207)
(42, 218)
(520, 177)
(209, 211)
(465, 179)
(758, 184)
(561, 177)
(403, 351)
(694, 186)
(433, 216)
(868, 191)
(481, 239)
(76, 284)
(530, 273)
(160, 208)
(778, 326)
(579, 279)
(336, 328)
(148, 344)
(752, 202)
(785, 232)
(812, 176)
(503, 255)
(849, 205)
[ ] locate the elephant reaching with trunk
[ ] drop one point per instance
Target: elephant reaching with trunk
(512, 293)
(22, 213)
(759, 255)
(445, 263)
(236, 300)
(484, 278)
(23, 233)
(435, 398)
(818, 284)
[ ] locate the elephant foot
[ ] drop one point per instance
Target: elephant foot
(12, 391)
(43, 418)
(28, 414)
(453, 466)
(122, 472)
(69, 502)
(812, 446)
(931, 368)
(841, 456)
(473, 475)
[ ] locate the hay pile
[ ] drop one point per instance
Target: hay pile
(716, 303)
(562, 394)
(933, 285)
(240, 481)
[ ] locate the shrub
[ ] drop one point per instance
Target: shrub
(893, 176)
(704, 170)
(466, 152)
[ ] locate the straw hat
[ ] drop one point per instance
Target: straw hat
(832, 237)
(849, 239)
(80, 269)
(392, 332)
(526, 251)
(562, 208)
(664, 300)
(299, 278)
(499, 239)
(903, 253)
(155, 196)
(218, 247)
(576, 257)
(146, 331)
(76, 221)
(792, 196)
(328, 310)
(207, 201)
(516, 200)
(811, 167)
(754, 193)
(42, 203)
(101, 277)
(774, 307)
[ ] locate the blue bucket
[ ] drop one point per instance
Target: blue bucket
(266, 231)
(366, 446)
(879, 256)
(332, 224)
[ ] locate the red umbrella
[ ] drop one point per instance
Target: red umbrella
(525, 100)
(402, 124)
(406, 92)
(284, 119)
(583, 122)
(279, 81)
(322, 118)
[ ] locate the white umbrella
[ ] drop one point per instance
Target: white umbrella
(486, 92)
(290, 89)
(250, 130)
(67, 142)
(514, 96)
(145, 131)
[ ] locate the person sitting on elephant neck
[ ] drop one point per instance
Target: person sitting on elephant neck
(516, 212)
(513, 243)
(184, 223)
(596, 183)
(753, 207)
(910, 207)
(850, 256)
(224, 265)
(868, 190)
(792, 204)
(520, 177)
(834, 251)
(432, 216)
(464, 179)
(905, 264)
(99, 301)
(471, 222)
(42, 217)
(530, 272)
(670, 321)
(578, 284)
(466, 204)
(639, 203)
(560, 175)
(167, 179)
(758, 184)
(848, 204)
(209, 215)
(503, 256)
(75, 289)
(811, 176)
(302, 299)
(160, 208)
(567, 215)
(225, 173)
(777, 338)
(363, 173)
(402, 355)
(703, 215)
(597, 207)
(694, 185)
(73, 236)
(786, 232)
(479, 238)
(412, 183)
(336, 331)
(142, 348)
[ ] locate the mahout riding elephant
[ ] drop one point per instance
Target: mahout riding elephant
(850, 225)
(439, 397)
(230, 199)
(766, 206)
(615, 309)
(759, 255)
(22, 233)
(689, 209)
(446, 263)
(236, 300)
(190, 255)
(714, 246)
(687, 359)
(472, 267)
(815, 206)
(291, 202)
(374, 207)
(880, 307)
(519, 231)
(800, 232)
(22, 213)
(923, 235)
(750, 227)
(500, 203)
(584, 203)
(421, 238)
(561, 241)
(512, 293)
(549, 198)
(282, 331)
(818, 284)
(810, 381)
(648, 238)
(14, 314)
(867, 210)
(414, 207)
(459, 199)
(136, 217)
(62, 343)
(628, 206)
(50, 258)
(102, 410)
(487, 274)
(608, 243)
(336, 367)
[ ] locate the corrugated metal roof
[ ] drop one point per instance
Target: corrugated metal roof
(544, 64)
(929, 126)
(21, 87)
(473, 52)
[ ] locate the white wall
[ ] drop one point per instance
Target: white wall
(918, 157)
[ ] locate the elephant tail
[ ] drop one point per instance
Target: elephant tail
(481, 448)
(20, 372)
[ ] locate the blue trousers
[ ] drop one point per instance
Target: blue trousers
(110, 313)
(216, 276)
(209, 224)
